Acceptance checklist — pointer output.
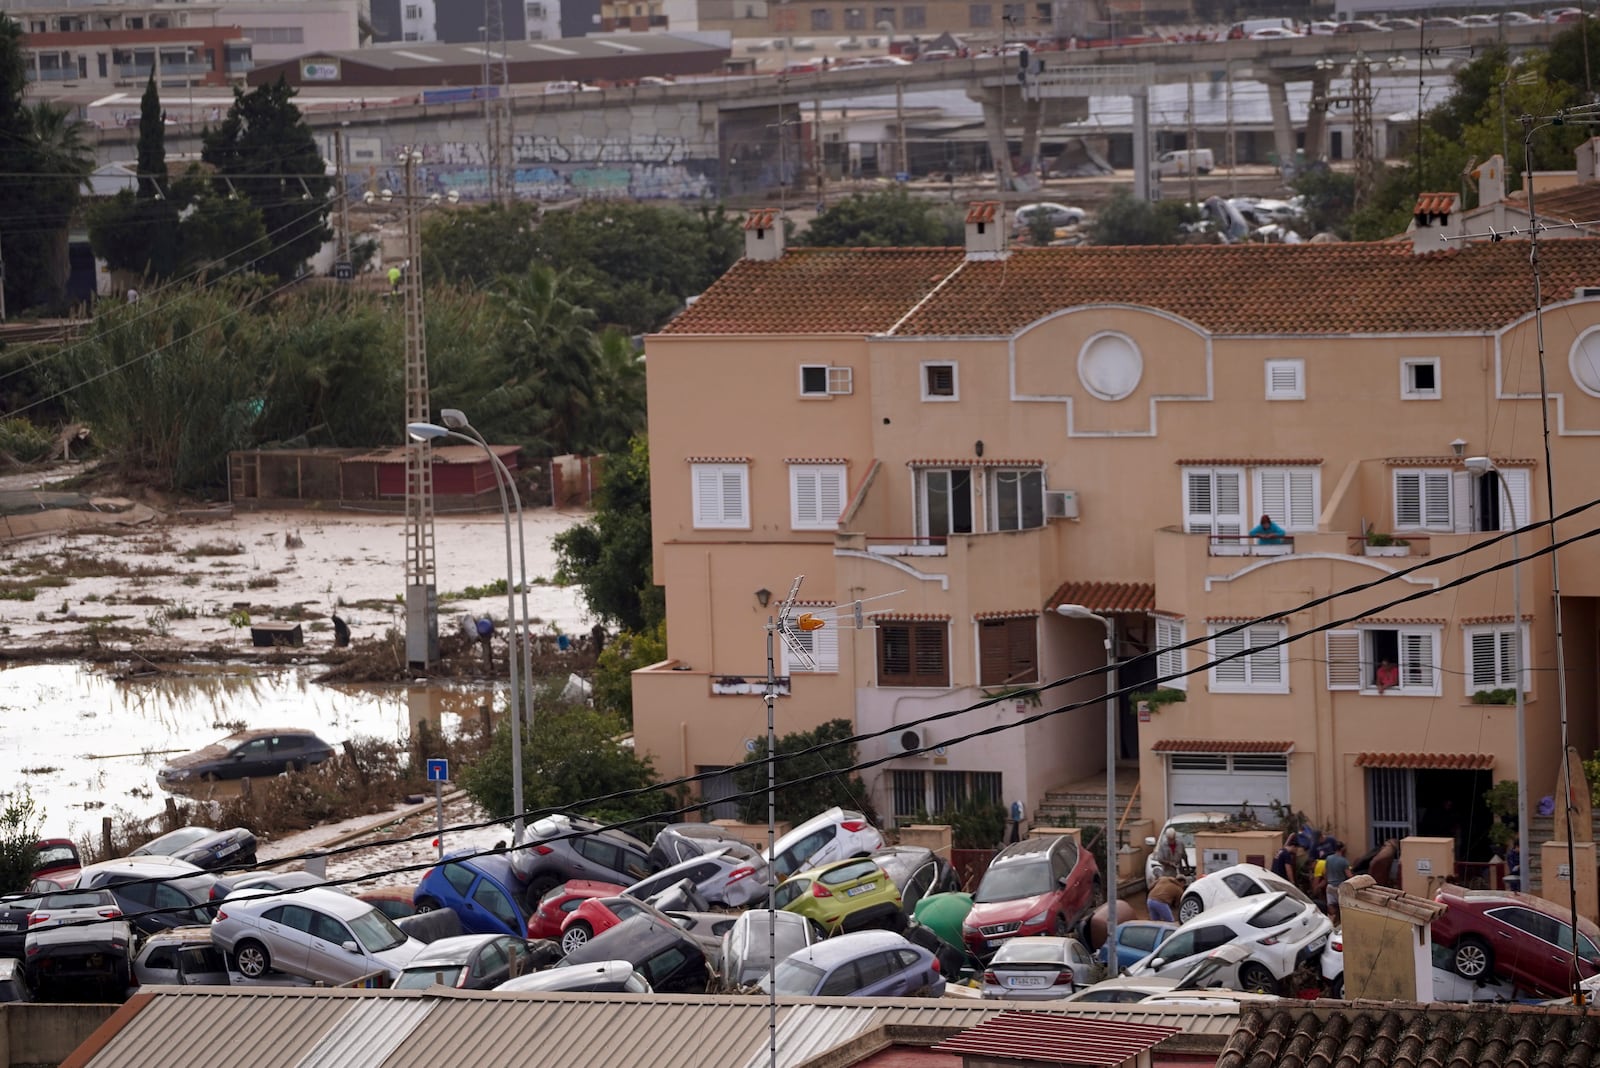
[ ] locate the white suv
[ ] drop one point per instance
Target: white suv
(837, 834)
(1279, 932)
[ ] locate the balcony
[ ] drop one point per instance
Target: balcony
(135, 71)
(1250, 545)
(1381, 544)
(57, 74)
(175, 69)
(907, 545)
(241, 64)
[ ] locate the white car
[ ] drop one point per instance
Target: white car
(1322, 28)
(837, 834)
(1333, 964)
(1200, 981)
(1278, 932)
(316, 934)
(1037, 967)
(1273, 33)
(1186, 824)
(1059, 215)
(1233, 884)
(570, 87)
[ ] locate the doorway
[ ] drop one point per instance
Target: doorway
(1434, 803)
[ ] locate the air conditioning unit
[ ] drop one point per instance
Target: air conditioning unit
(1061, 504)
(909, 741)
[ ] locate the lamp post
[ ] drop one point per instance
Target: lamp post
(1478, 467)
(428, 432)
(1078, 611)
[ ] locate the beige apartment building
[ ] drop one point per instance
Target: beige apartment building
(964, 440)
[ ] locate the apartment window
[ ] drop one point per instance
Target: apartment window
(881, 15)
(855, 18)
(909, 795)
(1354, 658)
(1008, 651)
(36, 26)
(132, 22)
(823, 645)
(980, 15)
(721, 495)
(1494, 659)
(914, 17)
(1490, 508)
(816, 496)
(821, 18)
(1262, 670)
(821, 380)
(413, 11)
(411, 35)
(1286, 380)
(536, 11)
(1169, 657)
(1213, 501)
(1422, 500)
(1290, 495)
(940, 382)
(1015, 14)
(1419, 379)
(946, 501)
(912, 654)
(1016, 499)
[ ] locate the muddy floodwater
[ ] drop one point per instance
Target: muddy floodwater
(87, 745)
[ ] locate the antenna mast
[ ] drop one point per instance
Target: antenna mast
(497, 105)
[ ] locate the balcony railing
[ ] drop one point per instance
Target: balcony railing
(135, 70)
(746, 685)
(1251, 545)
(58, 74)
(907, 544)
(1378, 544)
(241, 65)
(185, 68)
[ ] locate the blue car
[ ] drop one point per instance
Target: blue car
(481, 890)
(866, 964)
(1136, 940)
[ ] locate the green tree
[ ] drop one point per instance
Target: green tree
(622, 656)
(1329, 194)
(20, 824)
(836, 786)
(219, 234)
(476, 246)
(608, 557)
(1126, 220)
(891, 219)
(619, 395)
(138, 230)
(46, 158)
(152, 166)
(266, 151)
(549, 348)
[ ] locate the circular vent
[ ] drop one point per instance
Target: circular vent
(910, 740)
(1110, 366)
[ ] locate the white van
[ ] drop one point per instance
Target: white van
(1180, 162)
(1241, 30)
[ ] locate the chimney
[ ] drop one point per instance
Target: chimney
(1432, 221)
(986, 231)
(1588, 155)
(763, 235)
(1491, 176)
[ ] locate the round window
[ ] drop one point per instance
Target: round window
(1110, 366)
(1584, 361)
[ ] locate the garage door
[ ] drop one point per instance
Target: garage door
(1226, 782)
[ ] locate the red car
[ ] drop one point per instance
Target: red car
(1521, 939)
(556, 906)
(1037, 887)
(55, 865)
(598, 914)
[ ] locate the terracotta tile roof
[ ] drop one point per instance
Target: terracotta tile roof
(1478, 621)
(912, 617)
(1315, 461)
(1575, 203)
(1451, 461)
(1436, 204)
(1406, 1036)
(1215, 745)
(1427, 761)
(1376, 287)
(1037, 1038)
(1015, 613)
(717, 459)
(970, 461)
(1110, 597)
(761, 219)
(982, 211)
(816, 459)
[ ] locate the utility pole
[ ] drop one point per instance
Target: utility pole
(816, 155)
(343, 256)
(1191, 142)
(900, 124)
(1233, 140)
(1361, 133)
(422, 606)
(497, 105)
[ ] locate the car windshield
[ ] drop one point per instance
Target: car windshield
(794, 977)
(1279, 912)
(422, 978)
(377, 932)
(1272, 882)
(171, 843)
(1014, 879)
(1033, 952)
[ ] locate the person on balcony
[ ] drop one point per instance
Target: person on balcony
(1388, 675)
(1267, 532)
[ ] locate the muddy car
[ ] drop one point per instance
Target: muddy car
(247, 754)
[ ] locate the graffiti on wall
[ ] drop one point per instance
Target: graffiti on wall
(544, 148)
(689, 180)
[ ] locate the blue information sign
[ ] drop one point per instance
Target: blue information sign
(438, 769)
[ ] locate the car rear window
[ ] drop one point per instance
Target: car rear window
(89, 900)
(1030, 951)
(1279, 912)
(849, 873)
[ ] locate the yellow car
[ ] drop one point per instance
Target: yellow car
(847, 895)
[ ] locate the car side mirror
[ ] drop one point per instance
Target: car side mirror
(349, 947)
(238, 756)
(1158, 962)
(1064, 880)
(1150, 840)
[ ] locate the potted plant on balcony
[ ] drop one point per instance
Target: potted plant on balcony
(1380, 544)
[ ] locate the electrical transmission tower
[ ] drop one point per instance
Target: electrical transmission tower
(1361, 132)
(422, 606)
(497, 105)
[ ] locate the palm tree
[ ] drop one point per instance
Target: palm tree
(63, 159)
(619, 395)
(550, 351)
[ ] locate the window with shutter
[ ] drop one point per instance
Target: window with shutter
(721, 496)
(1292, 496)
(1419, 379)
(1262, 671)
(1413, 651)
(1008, 651)
(1214, 501)
(816, 496)
(1417, 665)
(940, 382)
(1169, 658)
(1494, 661)
(1286, 379)
(823, 645)
(912, 654)
(1344, 659)
(813, 380)
(1422, 500)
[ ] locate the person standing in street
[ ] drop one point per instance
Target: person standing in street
(1336, 871)
(1162, 901)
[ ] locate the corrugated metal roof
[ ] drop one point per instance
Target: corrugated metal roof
(223, 1028)
(1017, 1036)
(367, 1034)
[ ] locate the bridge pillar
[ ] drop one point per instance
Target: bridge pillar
(1317, 117)
(1144, 187)
(1282, 124)
(1032, 120)
(994, 128)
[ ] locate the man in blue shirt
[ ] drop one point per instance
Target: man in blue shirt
(1267, 532)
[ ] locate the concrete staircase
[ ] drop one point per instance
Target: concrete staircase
(1068, 806)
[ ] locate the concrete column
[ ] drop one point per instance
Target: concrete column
(1032, 120)
(994, 129)
(1316, 118)
(1282, 125)
(1143, 173)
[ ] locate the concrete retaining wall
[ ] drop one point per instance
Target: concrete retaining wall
(39, 1033)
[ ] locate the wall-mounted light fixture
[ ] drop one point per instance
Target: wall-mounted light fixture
(978, 448)
(1459, 447)
(763, 596)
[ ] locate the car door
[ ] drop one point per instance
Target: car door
(636, 865)
(247, 760)
(880, 975)
(666, 971)
(600, 860)
(1519, 947)
(328, 960)
(841, 982)
(492, 910)
(491, 968)
(286, 931)
(790, 892)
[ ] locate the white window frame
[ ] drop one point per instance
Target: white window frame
(1408, 391)
(955, 381)
(823, 645)
(1520, 482)
(1500, 635)
(1296, 390)
(1264, 671)
(1352, 665)
(1301, 488)
(1169, 652)
(992, 485)
(1227, 524)
(837, 381)
(1431, 513)
(820, 515)
(924, 527)
(702, 487)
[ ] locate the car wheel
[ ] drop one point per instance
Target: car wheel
(1472, 958)
(1062, 928)
(427, 904)
(253, 959)
(575, 936)
(538, 888)
(1255, 976)
(1336, 987)
(1189, 908)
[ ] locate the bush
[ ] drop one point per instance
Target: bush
(800, 801)
(23, 442)
(20, 824)
(613, 674)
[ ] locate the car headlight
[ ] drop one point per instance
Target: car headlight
(968, 925)
(1038, 917)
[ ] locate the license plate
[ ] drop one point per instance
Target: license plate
(863, 888)
(10, 926)
(231, 847)
(1026, 980)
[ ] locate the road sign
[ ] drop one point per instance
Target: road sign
(344, 270)
(438, 769)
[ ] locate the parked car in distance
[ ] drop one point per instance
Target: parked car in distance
(1037, 967)
(720, 877)
(836, 834)
(599, 977)
(1036, 886)
(316, 934)
(1273, 33)
(181, 956)
(551, 914)
(14, 981)
(247, 754)
(917, 872)
(155, 892)
(1279, 932)
(865, 964)
(847, 895)
(1363, 26)
(204, 847)
(14, 909)
(1524, 940)
(557, 848)
(480, 889)
(746, 954)
(470, 962)
(265, 880)
(670, 960)
(1397, 23)
(1057, 215)
(78, 937)
(678, 842)
(395, 902)
(1186, 824)
(57, 858)
(1233, 884)
(1136, 940)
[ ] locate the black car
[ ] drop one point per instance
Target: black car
(203, 847)
(14, 909)
(917, 872)
(470, 962)
(673, 962)
(155, 893)
(247, 754)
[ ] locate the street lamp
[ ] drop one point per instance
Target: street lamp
(421, 432)
(1479, 467)
(1078, 611)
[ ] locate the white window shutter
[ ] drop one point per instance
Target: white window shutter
(733, 510)
(830, 495)
(1483, 648)
(708, 496)
(1266, 665)
(1169, 660)
(1198, 502)
(1303, 504)
(1463, 501)
(804, 486)
(1272, 495)
(1437, 513)
(1233, 671)
(1407, 499)
(1518, 514)
(1344, 659)
(1417, 662)
(1230, 502)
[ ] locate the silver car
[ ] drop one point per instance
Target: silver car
(316, 934)
(1037, 967)
(747, 955)
(601, 977)
(722, 877)
(559, 848)
(183, 956)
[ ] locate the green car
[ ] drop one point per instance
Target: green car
(847, 895)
